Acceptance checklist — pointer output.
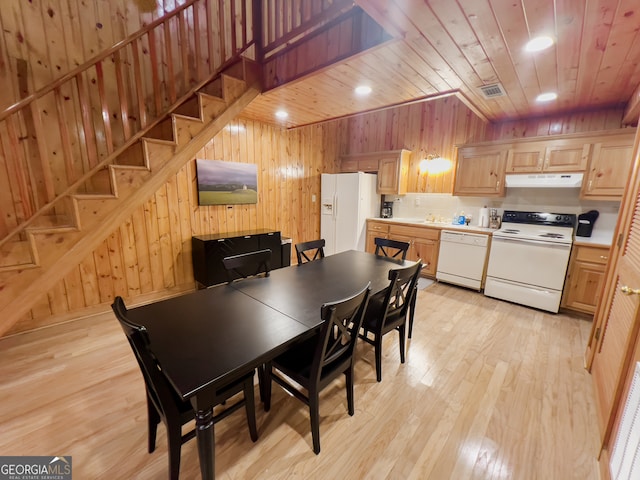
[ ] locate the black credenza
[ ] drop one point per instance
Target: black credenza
(209, 250)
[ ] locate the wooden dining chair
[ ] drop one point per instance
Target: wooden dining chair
(387, 311)
(316, 362)
(310, 251)
(247, 264)
(164, 404)
(387, 247)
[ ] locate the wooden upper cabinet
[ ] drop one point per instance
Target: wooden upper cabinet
(392, 167)
(525, 158)
(393, 172)
(609, 169)
(480, 171)
(566, 157)
(548, 157)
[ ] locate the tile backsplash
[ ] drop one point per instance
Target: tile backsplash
(556, 200)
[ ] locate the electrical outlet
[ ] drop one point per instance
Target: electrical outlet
(417, 202)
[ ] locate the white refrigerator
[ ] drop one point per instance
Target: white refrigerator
(347, 200)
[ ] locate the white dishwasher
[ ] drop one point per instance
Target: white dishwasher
(462, 258)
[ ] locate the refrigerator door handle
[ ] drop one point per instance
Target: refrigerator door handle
(335, 207)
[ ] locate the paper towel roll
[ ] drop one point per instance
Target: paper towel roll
(483, 218)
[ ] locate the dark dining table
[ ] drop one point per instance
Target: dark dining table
(210, 337)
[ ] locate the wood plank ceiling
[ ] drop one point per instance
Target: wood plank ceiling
(456, 46)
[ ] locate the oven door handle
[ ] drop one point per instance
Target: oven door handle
(566, 246)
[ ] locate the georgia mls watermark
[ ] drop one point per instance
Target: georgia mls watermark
(35, 468)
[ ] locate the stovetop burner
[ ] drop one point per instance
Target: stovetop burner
(542, 227)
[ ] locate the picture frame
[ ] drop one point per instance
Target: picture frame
(226, 183)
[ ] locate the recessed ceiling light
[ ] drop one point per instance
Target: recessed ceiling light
(363, 90)
(538, 43)
(546, 97)
(282, 114)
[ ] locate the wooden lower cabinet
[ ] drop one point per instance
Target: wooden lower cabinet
(375, 229)
(424, 242)
(585, 278)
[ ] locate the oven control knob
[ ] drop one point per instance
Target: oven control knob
(558, 218)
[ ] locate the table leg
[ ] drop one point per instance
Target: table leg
(206, 443)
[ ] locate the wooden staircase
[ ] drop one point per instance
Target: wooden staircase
(46, 250)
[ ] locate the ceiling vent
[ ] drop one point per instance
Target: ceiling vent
(492, 91)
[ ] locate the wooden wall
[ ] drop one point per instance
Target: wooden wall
(149, 256)
(437, 126)
(424, 128)
(42, 40)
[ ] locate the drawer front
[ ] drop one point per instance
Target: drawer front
(378, 227)
(418, 232)
(368, 165)
(349, 165)
(592, 255)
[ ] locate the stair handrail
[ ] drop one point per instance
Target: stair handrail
(109, 158)
(92, 61)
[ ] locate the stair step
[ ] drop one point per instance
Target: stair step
(16, 255)
(211, 106)
(232, 88)
(190, 108)
(101, 183)
(52, 221)
(162, 131)
(185, 128)
(133, 156)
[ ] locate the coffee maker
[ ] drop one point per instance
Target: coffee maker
(386, 211)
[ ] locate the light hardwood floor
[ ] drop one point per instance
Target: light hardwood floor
(490, 390)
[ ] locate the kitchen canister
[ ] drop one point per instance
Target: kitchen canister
(483, 217)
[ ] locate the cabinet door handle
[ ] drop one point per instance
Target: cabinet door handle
(629, 291)
(603, 257)
(590, 184)
(497, 184)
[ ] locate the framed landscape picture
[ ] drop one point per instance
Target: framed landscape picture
(226, 183)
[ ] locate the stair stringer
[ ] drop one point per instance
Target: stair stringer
(60, 252)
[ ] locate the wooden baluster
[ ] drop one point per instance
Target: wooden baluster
(210, 46)
(43, 156)
(106, 117)
(122, 94)
(243, 23)
(14, 156)
(63, 124)
(184, 49)
(171, 81)
(196, 36)
(223, 50)
(87, 121)
(278, 18)
(157, 90)
(232, 23)
(137, 73)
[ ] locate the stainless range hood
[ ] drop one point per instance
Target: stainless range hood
(544, 180)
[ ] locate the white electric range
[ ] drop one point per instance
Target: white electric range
(529, 257)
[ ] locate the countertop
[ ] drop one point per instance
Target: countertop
(598, 238)
(415, 222)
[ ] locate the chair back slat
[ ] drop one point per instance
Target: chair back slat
(402, 282)
(339, 331)
(158, 388)
(310, 251)
(387, 247)
(248, 264)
